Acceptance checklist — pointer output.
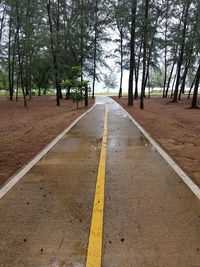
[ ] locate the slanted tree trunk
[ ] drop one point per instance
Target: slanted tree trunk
(196, 88)
(169, 80)
(132, 56)
(191, 87)
(173, 85)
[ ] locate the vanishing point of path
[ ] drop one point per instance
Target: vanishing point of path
(151, 218)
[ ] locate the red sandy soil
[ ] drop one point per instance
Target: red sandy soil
(24, 133)
(175, 127)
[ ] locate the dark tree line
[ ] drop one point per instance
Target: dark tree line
(42, 40)
(165, 34)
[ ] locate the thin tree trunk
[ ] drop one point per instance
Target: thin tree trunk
(182, 49)
(169, 80)
(132, 56)
(17, 92)
(172, 92)
(86, 96)
(55, 62)
(2, 22)
(144, 54)
(19, 54)
(95, 48)
(151, 48)
(191, 87)
(182, 90)
(166, 29)
(9, 61)
(82, 40)
(121, 63)
(58, 44)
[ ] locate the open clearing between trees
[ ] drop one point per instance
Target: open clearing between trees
(151, 218)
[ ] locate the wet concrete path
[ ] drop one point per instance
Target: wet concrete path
(151, 217)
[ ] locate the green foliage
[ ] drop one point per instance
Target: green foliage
(77, 87)
(156, 78)
(110, 82)
(77, 95)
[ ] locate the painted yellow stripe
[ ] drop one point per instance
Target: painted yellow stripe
(94, 254)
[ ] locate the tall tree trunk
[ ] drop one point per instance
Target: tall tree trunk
(151, 48)
(9, 61)
(2, 23)
(95, 48)
(132, 56)
(54, 54)
(144, 54)
(58, 44)
(121, 63)
(82, 40)
(166, 30)
(182, 49)
(19, 53)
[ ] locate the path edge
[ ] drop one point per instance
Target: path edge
(187, 180)
(14, 179)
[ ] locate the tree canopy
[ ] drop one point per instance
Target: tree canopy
(42, 40)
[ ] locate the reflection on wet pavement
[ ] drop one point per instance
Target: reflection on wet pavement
(151, 217)
(46, 217)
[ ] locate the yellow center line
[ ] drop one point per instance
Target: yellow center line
(94, 254)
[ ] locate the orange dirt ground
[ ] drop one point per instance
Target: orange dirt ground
(24, 133)
(175, 127)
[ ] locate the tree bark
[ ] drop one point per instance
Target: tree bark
(95, 48)
(54, 54)
(182, 49)
(132, 56)
(191, 87)
(121, 63)
(144, 54)
(86, 96)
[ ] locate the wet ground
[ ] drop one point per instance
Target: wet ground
(151, 217)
